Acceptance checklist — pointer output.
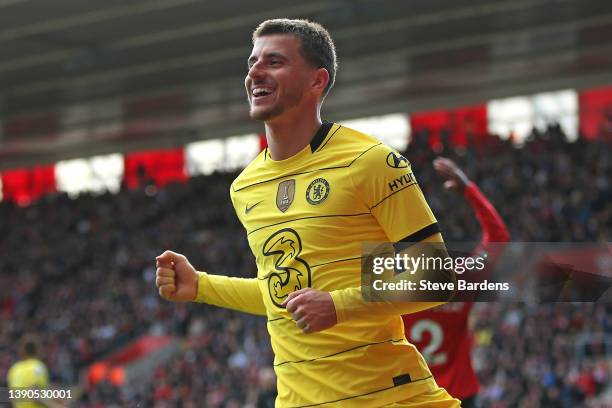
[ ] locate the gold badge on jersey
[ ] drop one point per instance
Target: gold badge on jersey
(317, 191)
(285, 194)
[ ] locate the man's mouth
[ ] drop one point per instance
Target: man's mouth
(259, 92)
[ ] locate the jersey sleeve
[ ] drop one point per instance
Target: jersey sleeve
(233, 293)
(350, 304)
(387, 186)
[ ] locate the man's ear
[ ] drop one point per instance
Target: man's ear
(320, 80)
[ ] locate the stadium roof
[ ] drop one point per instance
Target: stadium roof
(68, 66)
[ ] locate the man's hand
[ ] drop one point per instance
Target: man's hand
(176, 278)
(455, 177)
(313, 310)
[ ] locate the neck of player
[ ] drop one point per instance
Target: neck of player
(289, 133)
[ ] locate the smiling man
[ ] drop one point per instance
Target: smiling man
(307, 203)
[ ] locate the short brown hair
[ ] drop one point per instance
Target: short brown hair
(317, 47)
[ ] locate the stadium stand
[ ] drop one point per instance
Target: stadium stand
(80, 276)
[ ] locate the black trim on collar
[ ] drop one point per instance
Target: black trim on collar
(320, 136)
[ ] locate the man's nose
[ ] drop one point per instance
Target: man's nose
(256, 71)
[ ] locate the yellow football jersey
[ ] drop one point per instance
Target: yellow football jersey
(306, 218)
(28, 373)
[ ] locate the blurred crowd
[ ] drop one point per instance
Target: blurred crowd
(525, 363)
(80, 275)
(546, 190)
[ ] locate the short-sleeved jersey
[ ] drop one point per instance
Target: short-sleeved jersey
(306, 218)
(443, 336)
(28, 373)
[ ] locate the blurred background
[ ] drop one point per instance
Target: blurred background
(122, 125)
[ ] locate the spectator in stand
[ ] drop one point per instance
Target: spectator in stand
(30, 373)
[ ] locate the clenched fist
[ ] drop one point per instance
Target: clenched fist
(175, 278)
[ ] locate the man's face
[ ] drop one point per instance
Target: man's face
(278, 76)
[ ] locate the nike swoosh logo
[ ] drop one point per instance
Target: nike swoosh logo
(248, 209)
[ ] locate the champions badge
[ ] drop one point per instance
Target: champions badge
(285, 194)
(317, 191)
